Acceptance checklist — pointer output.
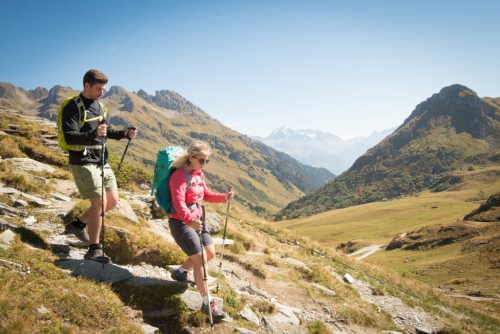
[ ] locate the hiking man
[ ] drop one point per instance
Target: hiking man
(85, 135)
(189, 219)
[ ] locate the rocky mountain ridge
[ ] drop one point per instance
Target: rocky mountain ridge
(168, 119)
(451, 131)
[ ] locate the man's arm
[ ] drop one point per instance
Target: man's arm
(71, 128)
(129, 133)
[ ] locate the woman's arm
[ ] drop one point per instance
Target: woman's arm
(212, 197)
(178, 186)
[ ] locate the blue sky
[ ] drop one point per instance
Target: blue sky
(344, 67)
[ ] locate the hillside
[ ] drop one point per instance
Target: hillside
(272, 280)
(168, 119)
(446, 240)
(452, 131)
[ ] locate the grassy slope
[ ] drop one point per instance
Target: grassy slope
(378, 223)
(62, 295)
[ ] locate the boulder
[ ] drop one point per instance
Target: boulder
(213, 220)
(27, 164)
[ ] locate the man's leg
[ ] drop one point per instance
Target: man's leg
(93, 216)
(93, 219)
(111, 199)
(94, 224)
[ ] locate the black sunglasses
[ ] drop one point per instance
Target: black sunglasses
(202, 161)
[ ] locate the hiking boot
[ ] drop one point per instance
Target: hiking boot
(185, 276)
(217, 315)
(81, 234)
(95, 253)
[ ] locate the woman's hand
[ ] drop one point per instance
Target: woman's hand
(196, 225)
(229, 196)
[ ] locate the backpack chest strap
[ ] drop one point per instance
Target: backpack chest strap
(192, 206)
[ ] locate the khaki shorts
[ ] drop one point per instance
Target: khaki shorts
(88, 179)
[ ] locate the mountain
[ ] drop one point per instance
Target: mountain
(166, 118)
(322, 149)
(451, 131)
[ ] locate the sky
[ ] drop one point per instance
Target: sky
(343, 67)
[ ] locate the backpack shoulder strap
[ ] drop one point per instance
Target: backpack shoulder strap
(81, 109)
(104, 110)
(188, 177)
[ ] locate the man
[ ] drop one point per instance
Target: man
(84, 135)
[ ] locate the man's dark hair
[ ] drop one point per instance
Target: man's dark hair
(94, 76)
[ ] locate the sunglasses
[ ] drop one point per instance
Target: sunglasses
(202, 161)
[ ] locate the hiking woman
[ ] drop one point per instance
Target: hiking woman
(189, 216)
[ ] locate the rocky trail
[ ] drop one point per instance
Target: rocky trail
(294, 306)
(292, 303)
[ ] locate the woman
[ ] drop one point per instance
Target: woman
(188, 219)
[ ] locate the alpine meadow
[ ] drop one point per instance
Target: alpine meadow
(414, 222)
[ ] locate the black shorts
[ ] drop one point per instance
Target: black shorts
(187, 238)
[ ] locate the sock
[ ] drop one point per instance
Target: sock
(182, 269)
(79, 224)
(205, 300)
(94, 246)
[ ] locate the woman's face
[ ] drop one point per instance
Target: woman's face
(197, 162)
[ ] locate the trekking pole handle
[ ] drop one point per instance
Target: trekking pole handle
(103, 121)
(130, 128)
(229, 190)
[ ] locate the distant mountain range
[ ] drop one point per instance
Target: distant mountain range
(452, 132)
(322, 149)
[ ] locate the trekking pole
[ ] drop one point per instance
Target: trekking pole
(126, 148)
(223, 242)
(102, 188)
(205, 279)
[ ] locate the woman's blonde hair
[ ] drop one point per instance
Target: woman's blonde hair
(196, 148)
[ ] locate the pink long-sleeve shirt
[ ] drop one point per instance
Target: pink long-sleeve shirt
(197, 192)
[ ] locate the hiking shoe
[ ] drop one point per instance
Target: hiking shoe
(185, 276)
(81, 234)
(217, 315)
(95, 253)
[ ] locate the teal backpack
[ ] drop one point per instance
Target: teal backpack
(163, 170)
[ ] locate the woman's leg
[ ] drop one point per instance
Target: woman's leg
(197, 266)
(209, 255)
(197, 263)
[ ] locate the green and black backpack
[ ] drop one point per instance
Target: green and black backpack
(82, 120)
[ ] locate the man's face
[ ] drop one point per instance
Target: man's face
(94, 92)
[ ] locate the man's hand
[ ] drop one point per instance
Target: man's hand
(131, 132)
(102, 130)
